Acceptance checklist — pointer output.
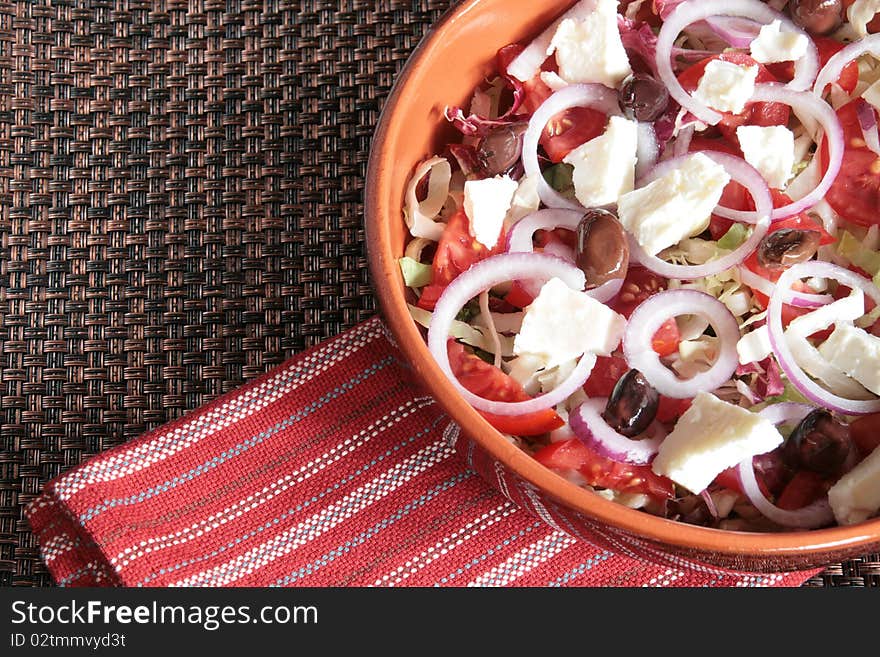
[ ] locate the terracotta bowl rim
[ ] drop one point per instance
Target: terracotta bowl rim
(638, 523)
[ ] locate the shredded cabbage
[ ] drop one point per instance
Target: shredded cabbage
(415, 273)
(421, 216)
(470, 335)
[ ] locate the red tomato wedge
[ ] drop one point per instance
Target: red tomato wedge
(827, 48)
(602, 472)
(456, 251)
(865, 432)
(489, 382)
(855, 193)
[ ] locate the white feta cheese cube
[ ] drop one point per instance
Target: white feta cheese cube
(774, 45)
(856, 495)
(561, 324)
(770, 149)
(590, 50)
(604, 167)
(486, 203)
(711, 436)
(675, 205)
(856, 352)
(726, 87)
(754, 346)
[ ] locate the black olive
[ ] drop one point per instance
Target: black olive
(643, 98)
(602, 249)
(501, 148)
(786, 247)
(819, 443)
(816, 16)
(632, 405)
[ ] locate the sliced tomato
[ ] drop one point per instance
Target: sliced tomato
(489, 382)
(606, 372)
(827, 47)
(804, 488)
(764, 114)
(602, 472)
(865, 432)
(456, 251)
(855, 193)
(669, 409)
(639, 284)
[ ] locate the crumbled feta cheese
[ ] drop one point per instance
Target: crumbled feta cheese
(770, 149)
(726, 87)
(604, 167)
(860, 13)
(561, 324)
(856, 352)
(856, 495)
(754, 346)
(675, 205)
(590, 50)
(711, 436)
(486, 203)
(774, 45)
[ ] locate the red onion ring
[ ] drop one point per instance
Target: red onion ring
(652, 313)
(743, 173)
(595, 96)
(792, 298)
(590, 427)
(487, 274)
(809, 388)
(834, 66)
(647, 148)
(812, 516)
(868, 123)
(692, 11)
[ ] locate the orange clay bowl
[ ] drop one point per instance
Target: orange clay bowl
(452, 59)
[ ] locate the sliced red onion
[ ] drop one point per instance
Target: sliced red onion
(607, 291)
(526, 65)
(595, 96)
(834, 66)
(483, 276)
(736, 32)
(812, 516)
(743, 173)
(683, 142)
(781, 349)
(805, 103)
(690, 12)
(560, 250)
(647, 148)
(868, 124)
(792, 298)
(652, 313)
(591, 428)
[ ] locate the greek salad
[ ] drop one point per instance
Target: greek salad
(651, 257)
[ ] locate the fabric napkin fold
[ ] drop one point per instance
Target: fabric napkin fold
(330, 470)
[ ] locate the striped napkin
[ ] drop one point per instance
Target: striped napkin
(330, 470)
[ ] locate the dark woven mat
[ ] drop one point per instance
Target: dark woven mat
(180, 210)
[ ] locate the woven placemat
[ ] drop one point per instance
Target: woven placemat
(180, 210)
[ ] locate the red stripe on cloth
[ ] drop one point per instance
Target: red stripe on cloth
(329, 471)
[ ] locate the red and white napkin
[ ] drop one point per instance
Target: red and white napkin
(330, 470)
